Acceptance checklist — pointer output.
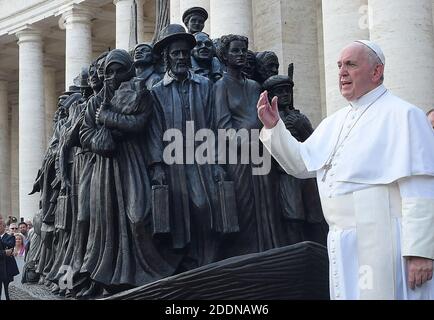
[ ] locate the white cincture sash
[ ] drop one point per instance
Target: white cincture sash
(370, 211)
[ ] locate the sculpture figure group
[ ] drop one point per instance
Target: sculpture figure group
(114, 214)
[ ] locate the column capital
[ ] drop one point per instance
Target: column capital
(28, 34)
(76, 13)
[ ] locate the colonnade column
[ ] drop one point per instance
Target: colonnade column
(5, 151)
(175, 12)
(404, 31)
(31, 117)
(231, 17)
(343, 22)
(50, 98)
(78, 52)
(124, 10)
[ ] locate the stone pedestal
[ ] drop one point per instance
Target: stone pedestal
(31, 117)
(404, 31)
(343, 22)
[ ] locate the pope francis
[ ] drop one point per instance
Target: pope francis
(374, 163)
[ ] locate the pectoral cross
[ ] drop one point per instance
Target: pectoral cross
(326, 167)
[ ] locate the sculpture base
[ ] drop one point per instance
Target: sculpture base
(299, 271)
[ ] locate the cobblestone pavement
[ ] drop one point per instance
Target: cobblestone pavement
(18, 291)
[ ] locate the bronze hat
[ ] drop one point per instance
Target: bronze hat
(194, 10)
(278, 80)
(172, 33)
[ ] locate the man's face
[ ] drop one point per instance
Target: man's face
(271, 67)
(100, 64)
(237, 54)
(23, 229)
(60, 102)
(179, 57)
(196, 23)
(356, 75)
(13, 228)
(143, 55)
(204, 49)
(94, 80)
(250, 66)
(431, 118)
(284, 95)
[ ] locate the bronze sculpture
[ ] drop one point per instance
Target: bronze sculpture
(183, 98)
(122, 252)
(298, 199)
(267, 65)
(203, 58)
(194, 19)
(144, 61)
(235, 99)
(118, 213)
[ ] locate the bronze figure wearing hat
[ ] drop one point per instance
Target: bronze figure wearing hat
(183, 102)
(298, 199)
(194, 19)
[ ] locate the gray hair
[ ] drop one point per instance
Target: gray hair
(373, 60)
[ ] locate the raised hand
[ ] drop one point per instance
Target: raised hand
(268, 113)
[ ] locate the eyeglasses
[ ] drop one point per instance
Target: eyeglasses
(13, 228)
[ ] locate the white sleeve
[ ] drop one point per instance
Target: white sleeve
(286, 150)
(417, 194)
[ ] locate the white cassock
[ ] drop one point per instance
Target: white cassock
(378, 196)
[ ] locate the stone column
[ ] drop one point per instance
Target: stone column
(289, 28)
(185, 4)
(31, 117)
(50, 98)
(15, 181)
(124, 34)
(231, 16)
(78, 52)
(175, 12)
(404, 31)
(5, 151)
(146, 20)
(320, 34)
(140, 21)
(343, 22)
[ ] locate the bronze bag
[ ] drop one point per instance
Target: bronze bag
(227, 221)
(62, 218)
(160, 209)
